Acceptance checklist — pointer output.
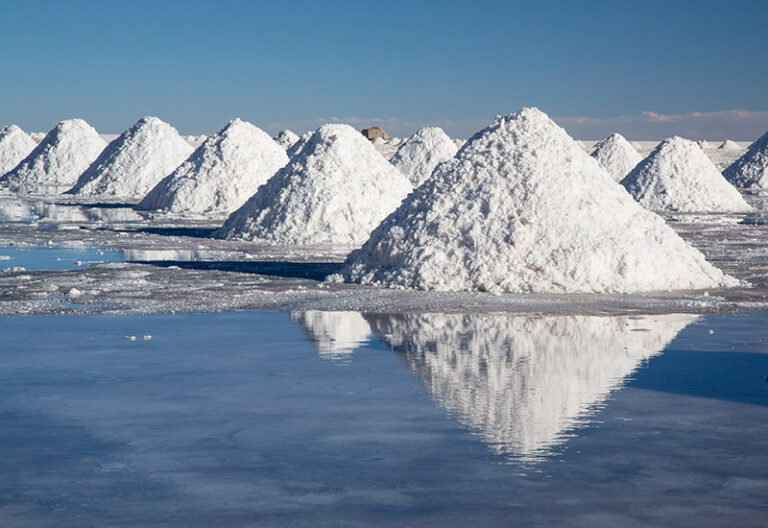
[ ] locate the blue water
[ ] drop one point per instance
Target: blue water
(266, 419)
(54, 258)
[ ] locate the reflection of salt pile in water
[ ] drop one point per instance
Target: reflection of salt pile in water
(521, 208)
(678, 176)
(286, 139)
(221, 174)
(521, 382)
(616, 155)
(422, 152)
(134, 162)
(335, 191)
(15, 145)
(299, 144)
(58, 160)
(751, 169)
(335, 333)
(729, 145)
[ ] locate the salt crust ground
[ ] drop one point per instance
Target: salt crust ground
(678, 176)
(522, 208)
(422, 152)
(335, 191)
(220, 175)
(751, 169)
(64, 153)
(616, 155)
(135, 162)
(15, 145)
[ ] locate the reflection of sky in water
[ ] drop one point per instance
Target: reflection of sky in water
(234, 419)
(53, 258)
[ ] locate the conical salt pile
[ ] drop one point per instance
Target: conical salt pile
(221, 174)
(286, 139)
(15, 145)
(134, 162)
(58, 160)
(678, 176)
(729, 145)
(423, 151)
(704, 144)
(616, 155)
(751, 169)
(521, 208)
(335, 191)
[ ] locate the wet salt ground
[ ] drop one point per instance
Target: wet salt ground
(51, 258)
(246, 419)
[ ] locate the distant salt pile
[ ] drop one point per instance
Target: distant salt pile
(134, 162)
(751, 169)
(729, 145)
(286, 139)
(616, 155)
(15, 145)
(298, 145)
(419, 156)
(459, 143)
(521, 208)
(335, 191)
(678, 176)
(336, 334)
(54, 164)
(221, 174)
(704, 144)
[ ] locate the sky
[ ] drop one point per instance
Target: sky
(646, 69)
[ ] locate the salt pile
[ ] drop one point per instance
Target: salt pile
(751, 169)
(522, 383)
(336, 334)
(704, 144)
(296, 147)
(678, 176)
(54, 164)
(616, 155)
(286, 139)
(423, 151)
(221, 174)
(335, 191)
(521, 208)
(135, 162)
(729, 145)
(15, 145)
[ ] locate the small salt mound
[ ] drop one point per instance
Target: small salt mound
(286, 139)
(135, 162)
(521, 208)
(221, 174)
(298, 145)
(678, 176)
(729, 145)
(15, 145)
(616, 155)
(54, 164)
(335, 191)
(704, 144)
(751, 169)
(459, 143)
(419, 156)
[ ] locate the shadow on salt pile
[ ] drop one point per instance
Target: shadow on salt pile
(290, 270)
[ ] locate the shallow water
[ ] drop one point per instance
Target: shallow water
(348, 419)
(54, 258)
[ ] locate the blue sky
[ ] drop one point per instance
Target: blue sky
(647, 69)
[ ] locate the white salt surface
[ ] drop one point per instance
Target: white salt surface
(58, 160)
(616, 155)
(522, 208)
(135, 162)
(15, 145)
(679, 177)
(286, 139)
(751, 169)
(220, 175)
(335, 191)
(422, 152)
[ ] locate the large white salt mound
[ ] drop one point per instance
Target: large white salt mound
(15, 145)
(678, 176)
(729, 145)
(751, 169)
(134, 162)
(616, 155)
(423, 151)
(335, 191)
(221, 174)
(521, 208)
(58, 160)
(286, 139)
